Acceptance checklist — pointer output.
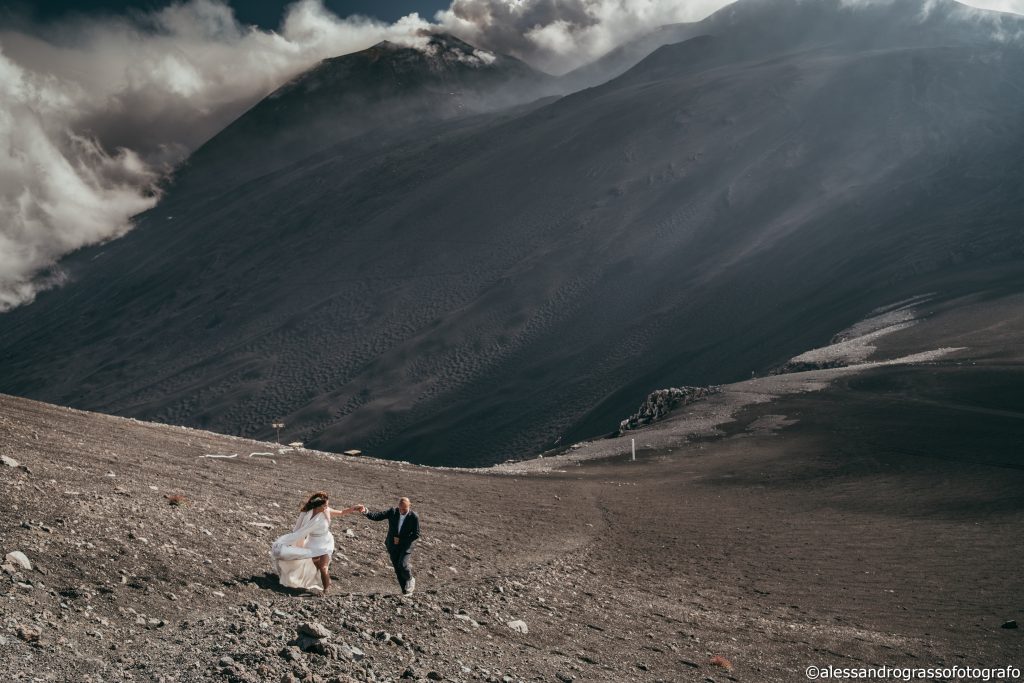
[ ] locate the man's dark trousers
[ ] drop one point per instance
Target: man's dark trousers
(400, 561)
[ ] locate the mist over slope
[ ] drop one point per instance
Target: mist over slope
(466, 288)
(759, 25)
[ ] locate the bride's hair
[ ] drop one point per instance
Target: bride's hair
(314, 501)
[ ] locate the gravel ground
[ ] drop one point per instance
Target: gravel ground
(846, 525)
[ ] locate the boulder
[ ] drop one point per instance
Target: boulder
(18, 559)
(314, 630)
(519, 626)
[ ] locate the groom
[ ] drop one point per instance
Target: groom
(403, 530)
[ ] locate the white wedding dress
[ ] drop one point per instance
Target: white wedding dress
(291, 554)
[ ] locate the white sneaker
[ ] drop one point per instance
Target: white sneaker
(411, 586)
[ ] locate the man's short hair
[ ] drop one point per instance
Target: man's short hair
(405, 499)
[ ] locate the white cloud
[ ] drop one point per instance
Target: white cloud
(58, 190)
(559, 35)
(1014, 6)
(93, 111)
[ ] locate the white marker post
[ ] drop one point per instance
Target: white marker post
(633, 443)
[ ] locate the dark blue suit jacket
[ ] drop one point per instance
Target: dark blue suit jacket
(410, 528)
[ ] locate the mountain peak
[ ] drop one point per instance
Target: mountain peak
(430, 77)
(435, 49)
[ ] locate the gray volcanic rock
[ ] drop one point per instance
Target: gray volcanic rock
(519, 626)
(17, 558)
(660, 403)
(314, 630)
(467, 289)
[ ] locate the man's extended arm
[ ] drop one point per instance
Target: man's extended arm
(376, 516)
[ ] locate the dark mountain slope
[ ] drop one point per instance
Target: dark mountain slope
(377, 93)
(485, 286)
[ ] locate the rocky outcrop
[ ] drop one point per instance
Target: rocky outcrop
(660, 403)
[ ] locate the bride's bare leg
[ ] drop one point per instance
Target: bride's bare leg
(323, 563)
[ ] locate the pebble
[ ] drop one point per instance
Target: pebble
(9, 462)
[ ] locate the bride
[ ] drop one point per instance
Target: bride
(301, 558)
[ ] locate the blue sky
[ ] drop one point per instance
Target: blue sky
(263, 13)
